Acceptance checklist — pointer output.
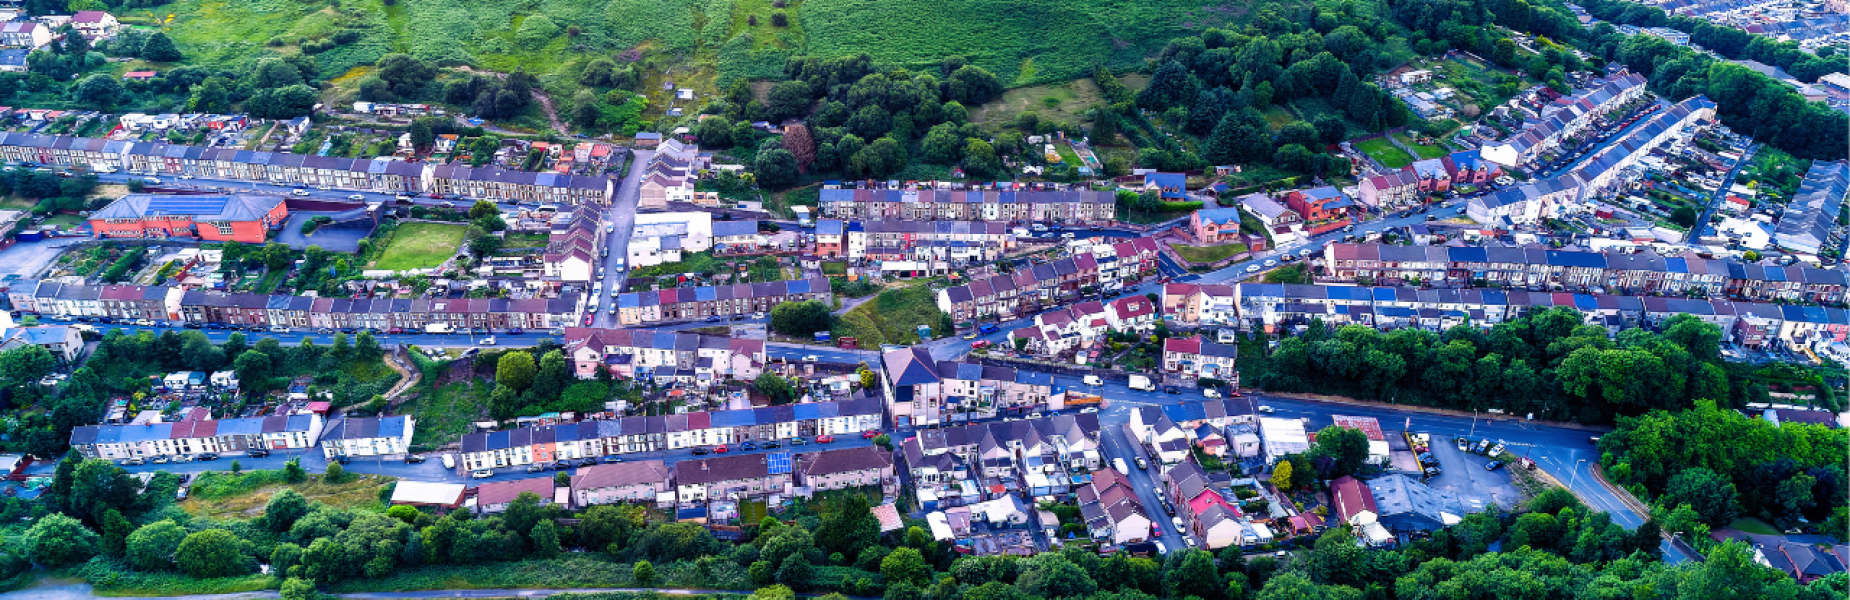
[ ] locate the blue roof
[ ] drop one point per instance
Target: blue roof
(807, 412)
(1395, 311)
(1590, 260)
(1034, 378)
(731, 418)
(800, 286)
(1676, 265)
(392, 427)
(1384, 294)
(1495, 297)
(1467, 254)
(497, 441)
(630, 300)
(704, 294)
(1585, 302)
(146, 433)
(1172, 184)
(240, 426)
(1220, 216)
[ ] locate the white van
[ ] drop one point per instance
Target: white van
(1094, 380)
(449, 461)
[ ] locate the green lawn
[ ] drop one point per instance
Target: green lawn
(892, 317)
(270, 281)
(1385, 151)
(1207, 254)
(421, 246)
(1753, 525)
(62, 221)
(525, 240)
(1425, 152)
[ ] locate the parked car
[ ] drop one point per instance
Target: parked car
(1493, 465)
(825, 439)
(700, 452)
(257, 453)
(868, 435)
(536, 468)
(720, 449)
(482, 474)
(134, 462)
(798, 441)
(413, 459)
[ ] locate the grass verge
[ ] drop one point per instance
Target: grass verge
(112, 577)
(444, 413)
(1207, 254)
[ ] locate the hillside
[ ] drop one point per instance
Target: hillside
(1022, 42)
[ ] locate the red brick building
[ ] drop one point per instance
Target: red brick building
(217, 218)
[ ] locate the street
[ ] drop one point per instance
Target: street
(620, 221)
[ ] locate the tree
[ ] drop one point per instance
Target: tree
(283, 509)
(483, 244)
(798, 141)
(159, 48)
(1347, 447)
(421, 135)
(212, 553)
(100, 91)
(1336, 558)
(115, 530)
(776, 168)
(643, 574)
(1711, 494)
(98, 486)
(545, 538)
(775, 387)
(515, 370)
(788, 100)
(293, 471)
(298, 589)
(1683, 215)
(253, 369)
(801, 318)
(26, 364)
(1193, 574)
(905, 565)
(971, 85)
(152, 547)
(884, 441)
(57, 540)
(849, 527)
(1281, 475)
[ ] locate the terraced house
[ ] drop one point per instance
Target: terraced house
(196, 432)
(1536, 268)
(381, 175)
(691, 303)
(1026, 291)
(1565, 118)
(663, 356)
(922, 391)
(1070, 207)
(547, 443)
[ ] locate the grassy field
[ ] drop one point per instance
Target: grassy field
(421, 246)
(576, 570)
(1753, 525)
(1207, 254)
(1386, 152)
(1425, 152)
(1070, 101)
(220, 495)
(892, 317)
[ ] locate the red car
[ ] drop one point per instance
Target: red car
(719, 450)
(868, 435)
(824, 439)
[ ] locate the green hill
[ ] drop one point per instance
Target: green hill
(1022, 41)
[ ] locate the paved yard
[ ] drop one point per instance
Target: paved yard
(1463, 473)
(26, 259)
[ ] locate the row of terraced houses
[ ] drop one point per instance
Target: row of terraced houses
(169, 303)
(1026, 291)
(1077, 206)
(1537, 268)
(382, 175)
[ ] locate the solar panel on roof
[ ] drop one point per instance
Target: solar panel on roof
(777, 463)
(187, 205)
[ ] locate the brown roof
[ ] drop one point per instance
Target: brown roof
(829, 462)
(642, 472)
(724, 468)
(503, 492)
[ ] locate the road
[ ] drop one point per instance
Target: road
(619, 222)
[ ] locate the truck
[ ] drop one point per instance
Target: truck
(1139, 382)
(102, 167)
(439, 328)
